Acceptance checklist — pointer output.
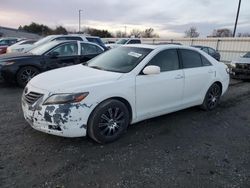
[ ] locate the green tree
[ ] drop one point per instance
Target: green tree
(60, 30)
(99, 33)
(41, 29)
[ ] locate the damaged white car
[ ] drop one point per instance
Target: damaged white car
(121, 87)
(240, 68)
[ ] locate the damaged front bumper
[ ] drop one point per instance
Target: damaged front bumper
(240, 71)
(67, 120)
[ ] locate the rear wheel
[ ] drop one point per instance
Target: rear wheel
(212, 97)
(25, 74)
(108, 121)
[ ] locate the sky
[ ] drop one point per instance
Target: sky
(169, 18)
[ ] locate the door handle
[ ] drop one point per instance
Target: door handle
(211, 71)
(179, 77)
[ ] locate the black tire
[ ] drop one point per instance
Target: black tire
(108, 121)
(212, 97)
(25, 74)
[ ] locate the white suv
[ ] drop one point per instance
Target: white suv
(28, 47)
(124, 41)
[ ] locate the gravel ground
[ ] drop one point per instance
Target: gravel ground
(190, 148)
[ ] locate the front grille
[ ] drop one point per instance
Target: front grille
(243, 66)
(32, 97)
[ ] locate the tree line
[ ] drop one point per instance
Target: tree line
(45, 30)
(192, 32)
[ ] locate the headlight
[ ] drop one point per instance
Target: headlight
(8, 63)
(66, 98)
(233, 65)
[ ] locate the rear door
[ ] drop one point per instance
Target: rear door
(199, 73)
(161, 93)
(89, 51)
(63, 55)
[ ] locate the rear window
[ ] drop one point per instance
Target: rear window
(95, 40)
(191, 59)
(134, 42)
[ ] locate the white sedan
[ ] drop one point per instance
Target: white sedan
(121, 87)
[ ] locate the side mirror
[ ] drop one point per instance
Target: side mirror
(151, 69)
(54, 54)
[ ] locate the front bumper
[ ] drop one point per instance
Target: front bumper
(240, 73)
(66, 120)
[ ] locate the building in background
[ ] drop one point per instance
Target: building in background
(10, 32)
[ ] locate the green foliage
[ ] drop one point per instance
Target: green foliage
(99, 33)
(41, 29)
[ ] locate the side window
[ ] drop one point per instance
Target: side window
(92, 40)
(205, 61)
(68, 49)
(28, 42)
(88, 49)
(205, 49)
(134, 42)
(211, 51)
(59, 38)
(13, 41)
(4, 42)
(191, 59)
(74, 38)
(167, 60)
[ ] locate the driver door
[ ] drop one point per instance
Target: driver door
(63, 55)
(161, 93)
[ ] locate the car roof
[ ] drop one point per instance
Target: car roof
(57, 42)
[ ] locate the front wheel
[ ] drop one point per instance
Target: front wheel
(25, 74)
(108, 121)
(212, 97)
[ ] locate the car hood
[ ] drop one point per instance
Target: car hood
(72, 79)
(15, 56)
(24, 47)
(242, 60)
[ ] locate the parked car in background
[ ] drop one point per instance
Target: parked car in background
(164, 43)
(240, 68)
(17, 47)
(122, 86)
(6, 42)
(96, 40)
(21, 67)
(215, 54)
(124, 41)
(28, 47)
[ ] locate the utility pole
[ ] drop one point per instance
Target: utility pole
(125, 31)
(236, 21)
(80, 20)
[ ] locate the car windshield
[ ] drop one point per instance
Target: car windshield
(43, 40)
(247, 55)
(123, 59)
(40, 50)
(122, 41)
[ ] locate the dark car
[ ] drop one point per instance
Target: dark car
(21, 67)
(215, 54)
(6, 42)
(96, 40)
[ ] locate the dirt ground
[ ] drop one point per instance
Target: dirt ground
(190, 148)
